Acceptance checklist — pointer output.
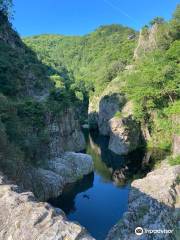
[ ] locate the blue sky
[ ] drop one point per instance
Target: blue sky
(78, 17)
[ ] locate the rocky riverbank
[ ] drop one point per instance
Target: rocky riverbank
(153, 204)
(22, 217)
(49, 182)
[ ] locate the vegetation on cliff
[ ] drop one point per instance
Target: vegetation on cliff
(49, 73)
(27, 97)
(153, 81)
(154, 86)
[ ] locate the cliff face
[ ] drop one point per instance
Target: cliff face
(108, 106)
(26, 79)
(65, 133)
(147, 41)
(114, 118)
(124, 135)
(33, 131)
(152, 38)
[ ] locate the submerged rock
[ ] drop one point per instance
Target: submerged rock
(119, 175)
(22, 217)
(153, 205)
(124, 135)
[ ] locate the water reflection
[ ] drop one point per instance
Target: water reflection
(67, 200)
(98, 201)
(113, 167)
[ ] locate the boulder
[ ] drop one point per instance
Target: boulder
(22, 217)
(72, 166)
(124, 135)
(42, 182)
(50, 182)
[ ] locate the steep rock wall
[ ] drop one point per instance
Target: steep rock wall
(65, 133)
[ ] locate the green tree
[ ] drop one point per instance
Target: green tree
(175, 23)
(6, 7)
(157, 20)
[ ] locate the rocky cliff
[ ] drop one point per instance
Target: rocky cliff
(114, 118)
(39, 123)
(124, 135)
(153, 205)
(151, 38)
(108, 106)
(25, 78)
(65, 133)
(147, 41)
(22, 217)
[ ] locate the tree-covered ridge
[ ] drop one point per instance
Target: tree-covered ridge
(95, 58)
(81, 67)
(98, 61)
(154, 84)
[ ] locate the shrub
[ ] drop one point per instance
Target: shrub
(174, 160)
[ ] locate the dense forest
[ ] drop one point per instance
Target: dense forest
(87, 62)
(49, 73)
(27, 97)
(104, 61)
(90, 132)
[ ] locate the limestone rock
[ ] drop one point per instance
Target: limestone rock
(108, 106)
(72, 166)
(42, 182)
(21, 217)
(124, 135)
(152, 203)
(65, 133)
(149, 40)
(50, 182)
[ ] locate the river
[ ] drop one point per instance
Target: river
(99, 200)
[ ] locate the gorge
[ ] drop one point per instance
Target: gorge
(90, 133)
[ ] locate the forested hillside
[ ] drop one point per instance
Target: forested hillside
(146, 70)
(28, 98)
(83, 119)
(153, 83)
(92, 60)
(67, 71)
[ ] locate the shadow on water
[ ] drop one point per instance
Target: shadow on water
(67, 200)
(99, 200)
